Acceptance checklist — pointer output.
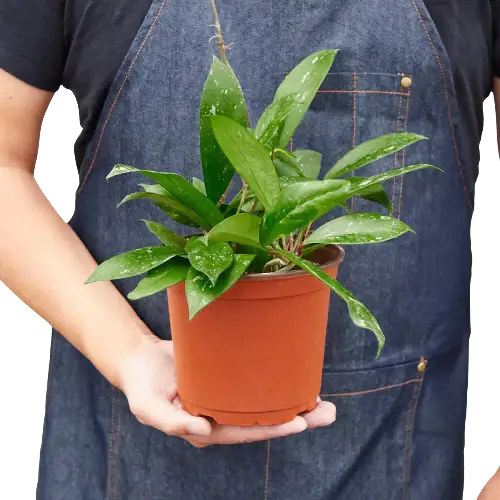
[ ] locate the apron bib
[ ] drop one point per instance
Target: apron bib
(397, 436)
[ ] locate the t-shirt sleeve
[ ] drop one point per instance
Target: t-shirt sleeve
(32, 44)
(495, 10)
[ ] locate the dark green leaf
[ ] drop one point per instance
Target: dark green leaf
(200, 292)
(222, 95)
(249, 157)
(372, 150)
(355, 229)
(211, 258)
(172, 272)
(199, 185)
(304, 81)
(171, 207)
(375, 192)
(165, 235)
(270, 126)
(303, 162)
(299, 204)
(240, 228)
(181, 190)
(360, 315)
(133, 263)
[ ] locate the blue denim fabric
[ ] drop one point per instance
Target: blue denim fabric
(399, 433)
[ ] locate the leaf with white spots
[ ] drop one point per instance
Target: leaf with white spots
(199, 290)
(133, 263)
(222, 95)
(165, 235)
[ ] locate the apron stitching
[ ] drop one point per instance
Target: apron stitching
(118, 94)
(396, 163)
(409, 428)
(403, 157)
(384, 92)
(110, 446)
(369, 391)
(354, 122)
(450, 118)
(268, 461)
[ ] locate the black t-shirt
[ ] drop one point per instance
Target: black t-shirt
(80, 44)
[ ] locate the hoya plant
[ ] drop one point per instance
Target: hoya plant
(267, 226)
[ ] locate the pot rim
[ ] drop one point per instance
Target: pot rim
(337, 260)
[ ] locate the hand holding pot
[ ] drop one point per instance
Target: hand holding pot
(147, 377)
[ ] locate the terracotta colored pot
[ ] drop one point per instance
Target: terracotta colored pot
(255, 355)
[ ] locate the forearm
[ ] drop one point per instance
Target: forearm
(44, 262)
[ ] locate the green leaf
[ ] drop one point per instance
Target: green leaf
(360, 315)
(176, 210)
(200, 292)
(372, 150)
(181, 190)
(172, 272)
(303, 162)
(222, 95)
(240, 228)
(359, 187)
(270, 125)
(165, 235)
(299, 204)
(249, 157)
(359, 228)
(199, 185)
(211, 258)
(375, 192)
(304, 81)
(133, 263)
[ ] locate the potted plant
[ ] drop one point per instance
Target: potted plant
(249, 290)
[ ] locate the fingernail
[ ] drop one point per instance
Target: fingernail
(199, 428)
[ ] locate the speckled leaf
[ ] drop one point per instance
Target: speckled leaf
(360, 315)
(270, 125)
(303, 162)
(372, 150)
(172, 272)
(133, 263)
(200, 292)
(240, 228)
(375, 192)
(249, 157)
(304, 81)
(211, 258)
(299, 204)
(359, 228)
(181, 190)
(176, 210)
(222, 95)
(165, 235)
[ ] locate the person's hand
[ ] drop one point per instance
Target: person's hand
(147, 377)
(492, 490)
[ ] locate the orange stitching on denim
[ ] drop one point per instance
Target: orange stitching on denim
(268, 461)
(450, 117)
(403, 158)
(354, 122)
(383, 92)
(369, 391)
(117, 97)
(409, 429)
(396, 153)
(111, 445)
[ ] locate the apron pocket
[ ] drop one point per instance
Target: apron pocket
(366, 453)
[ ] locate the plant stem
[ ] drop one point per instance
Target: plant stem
(243, 195)
(218, 29)
(274, 262)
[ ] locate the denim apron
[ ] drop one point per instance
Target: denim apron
(400, 427)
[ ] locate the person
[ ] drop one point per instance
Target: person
(113, 417)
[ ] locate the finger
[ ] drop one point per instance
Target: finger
(225, 434)
(171, 420)
(324, 414)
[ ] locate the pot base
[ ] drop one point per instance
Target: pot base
(249, 419)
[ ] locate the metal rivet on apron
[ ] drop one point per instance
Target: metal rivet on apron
(422, 365)
(406, 82)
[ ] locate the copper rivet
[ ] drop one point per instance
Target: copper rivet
(422, 365)
(406, 82)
